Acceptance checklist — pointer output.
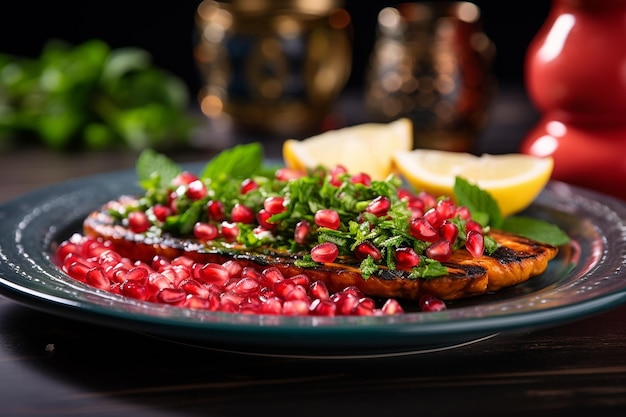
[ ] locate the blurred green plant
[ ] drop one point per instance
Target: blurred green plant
(91, 96)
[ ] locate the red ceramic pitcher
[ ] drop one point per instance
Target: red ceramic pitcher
(576, 76)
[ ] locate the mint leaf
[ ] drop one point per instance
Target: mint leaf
(535, 229)
(155, 170)
(482, 205)
(240, 161)
(484, 208)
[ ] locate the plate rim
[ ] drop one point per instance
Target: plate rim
(403, 333)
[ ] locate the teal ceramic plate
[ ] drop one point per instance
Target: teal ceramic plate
(586, 278)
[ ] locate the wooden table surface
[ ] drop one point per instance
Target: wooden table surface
(53, 366)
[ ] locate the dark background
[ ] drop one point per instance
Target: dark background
(166, 29)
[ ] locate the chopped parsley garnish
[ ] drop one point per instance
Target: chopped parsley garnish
(236, 178)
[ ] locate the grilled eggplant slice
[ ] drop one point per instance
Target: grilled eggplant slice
(516, 260)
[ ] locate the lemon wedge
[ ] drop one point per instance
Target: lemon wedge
(514, 180)
(364, 148)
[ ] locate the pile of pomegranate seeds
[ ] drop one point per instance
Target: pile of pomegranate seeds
(227, 287)
(440, 223)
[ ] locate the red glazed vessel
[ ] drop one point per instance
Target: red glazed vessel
(576, 76)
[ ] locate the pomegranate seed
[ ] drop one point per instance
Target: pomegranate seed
(109, 257)
(365, 249)
(233, 267)
(473, 225)
(272, 305)
(363, 309)
(215, 210)
(325, 252)
(361, 178)
(65, 248)
(137, 274)
(327, 218)
(181, 272)
(184, 178)
(158, 280)
(138, 221)
(432, 216)
(406, 258)
(250, 272)
(171, 296)
(318, 290)
(262, 217)
(429, 303)
(422, 229)
(134, 289)
(196, 190)
(295, 307)
(440, 250)
(449, 231)
(75, 257)
(322, 307)
(251, 305)
(242, 214)
(416, 203)
(367, 303)
(300, 279)
(78, 270)
(346, 303)
(463, 213)
(338, 170)
(336, 175)
(245, 286)
(195, 302)
(286, 174)
(429, 200)
(406, 195)
(159, 263)
(194, 287)
(392, 306)
(117, 273)
(185, 261)
(229, 301)
(92, 249)
(301, 232)
(274, 205)
(214, 301)
(475, 243)
(379, 206)
(352, 290)
(445, 208)
(297, 292)
(230, 231)
(170, 275)
(416, 213)
(205, 231)
(161, 212)
(270, 276)
(96, 278)
(172, 201)
(283, 288)
(213, 273)
(248, 185)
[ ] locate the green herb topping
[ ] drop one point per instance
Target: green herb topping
(321, 216)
